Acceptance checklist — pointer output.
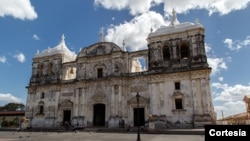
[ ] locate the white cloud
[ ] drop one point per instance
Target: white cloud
(9, 98)
(221, 79)
(208, 48)
(20, 9)
(217, 64)
(230, 93)
(135, 32)
(138, 6)
(230, 108)
(246, 42)
(135, 6)
(237, 44)
(221, 6)
(230, 98)
(229, 42)
(20, 57)
(36, 37)
(3, 59)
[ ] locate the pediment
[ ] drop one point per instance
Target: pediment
(66, 103)
(142, 100)
(41, 103)
(98, 95)
(178, 94)
(100, 48)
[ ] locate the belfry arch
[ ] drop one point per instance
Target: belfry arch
(184, 50)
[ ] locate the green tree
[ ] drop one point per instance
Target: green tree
(12, 107)
(4, 122)
(16, 121)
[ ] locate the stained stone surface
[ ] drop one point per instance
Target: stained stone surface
(98, 86)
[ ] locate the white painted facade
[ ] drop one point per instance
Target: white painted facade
(98, 86)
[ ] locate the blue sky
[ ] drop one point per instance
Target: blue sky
(30, 25)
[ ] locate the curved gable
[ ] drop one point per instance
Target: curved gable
(100, 48)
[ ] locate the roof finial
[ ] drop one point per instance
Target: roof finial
(174, 19)
(101, 35)
(197, 21)
(63, 37)
(123, 45)
(151, 29)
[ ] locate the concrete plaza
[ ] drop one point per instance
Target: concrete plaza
(92, 136)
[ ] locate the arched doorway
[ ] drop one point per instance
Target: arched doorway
(99, 115)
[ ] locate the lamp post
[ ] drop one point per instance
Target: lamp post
(138, 125)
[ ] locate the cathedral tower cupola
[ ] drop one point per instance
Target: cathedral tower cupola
(178, 46)
(60, 50)
(47, 64)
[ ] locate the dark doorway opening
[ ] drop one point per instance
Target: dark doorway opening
(66, 116)
(99, 115)
(141, 118)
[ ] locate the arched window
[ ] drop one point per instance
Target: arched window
(166, 53)
(184, 50)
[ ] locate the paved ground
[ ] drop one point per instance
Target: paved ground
(92, 136)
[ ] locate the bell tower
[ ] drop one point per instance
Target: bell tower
(178, 46)
(47, 64)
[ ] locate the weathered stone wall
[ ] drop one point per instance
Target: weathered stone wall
(174, 88)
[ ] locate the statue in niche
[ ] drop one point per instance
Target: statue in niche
(116, 89)
(50, 68)
(156, 54)
(57, 67)
(40, 69)
(35, 67)
(117, 67)
(45, 69)
(100, 50)
(35, 72)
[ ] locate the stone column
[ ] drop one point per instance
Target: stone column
(112, 103)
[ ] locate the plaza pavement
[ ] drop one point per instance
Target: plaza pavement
(94, 136)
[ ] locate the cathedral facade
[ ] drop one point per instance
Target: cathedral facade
(99, 85)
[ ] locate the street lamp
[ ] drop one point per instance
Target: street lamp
(138, 130)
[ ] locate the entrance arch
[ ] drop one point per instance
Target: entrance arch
(99, 115)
